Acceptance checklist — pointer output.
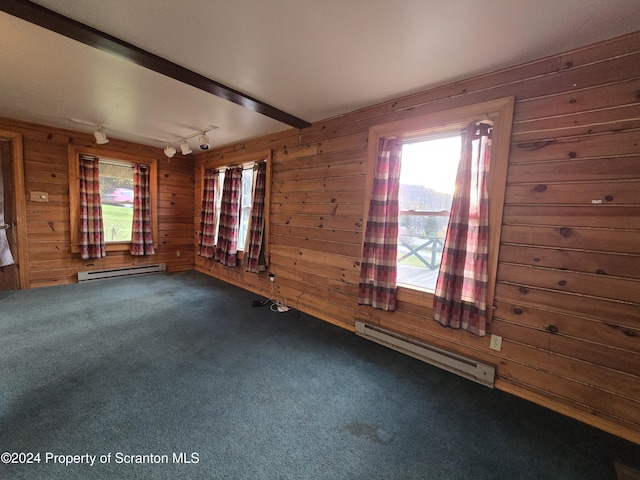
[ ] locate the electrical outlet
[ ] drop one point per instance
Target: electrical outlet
(495, 343)
(178, 253)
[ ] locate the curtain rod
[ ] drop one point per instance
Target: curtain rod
(442, 134)
(244, 167)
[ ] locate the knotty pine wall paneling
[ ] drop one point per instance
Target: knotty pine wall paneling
(568, 287)
(50, 261)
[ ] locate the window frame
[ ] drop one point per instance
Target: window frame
(500, 111)
(224, 161)
(74, 192)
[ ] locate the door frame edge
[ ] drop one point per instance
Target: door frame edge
(17, 169)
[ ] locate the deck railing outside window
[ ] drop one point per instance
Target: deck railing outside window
(420, 244)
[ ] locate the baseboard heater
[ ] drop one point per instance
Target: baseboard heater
(121, 272)
(469, 368)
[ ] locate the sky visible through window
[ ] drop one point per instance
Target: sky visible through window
(432, 163)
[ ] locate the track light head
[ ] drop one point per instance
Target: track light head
(184, 147)
(204, 142)
(169, 151)
(101, 137)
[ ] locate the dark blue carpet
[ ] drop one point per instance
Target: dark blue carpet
(166, 369)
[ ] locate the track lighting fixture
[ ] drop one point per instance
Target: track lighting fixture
(101, 137)
(184, 147)
(169, 151)
(204, 142)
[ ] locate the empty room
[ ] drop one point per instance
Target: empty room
(320, 240)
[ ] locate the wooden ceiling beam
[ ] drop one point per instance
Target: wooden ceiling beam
(45, 18)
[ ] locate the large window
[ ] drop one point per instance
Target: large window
(116, 192)
(245, 203)
(427, 182)
(233, 228)
(430, 149)
(116, 195)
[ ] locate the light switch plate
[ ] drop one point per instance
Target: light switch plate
(39, 196)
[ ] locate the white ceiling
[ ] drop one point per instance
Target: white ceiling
(313, 59)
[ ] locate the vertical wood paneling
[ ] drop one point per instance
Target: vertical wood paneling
(45, 160)
(568, 290)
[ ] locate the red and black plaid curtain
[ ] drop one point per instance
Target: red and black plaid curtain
(208, 215)
(256, 224)
(92, 243)
(227, 247)
(377, 286)
(461, 289)
(141, 231)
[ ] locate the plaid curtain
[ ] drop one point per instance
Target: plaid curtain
(460, 296)
(256, 224)
(227, 247)
(208, 215)
(141, 232)
(92, 243)
(377, 286)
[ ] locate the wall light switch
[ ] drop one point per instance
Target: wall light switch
(39, 196)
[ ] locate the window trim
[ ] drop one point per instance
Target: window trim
(500, 111)
(244, 159)
(74, 192)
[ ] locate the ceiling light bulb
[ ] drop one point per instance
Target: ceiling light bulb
(169, 151)
(184, 146)
(101, 138)
(204, 142)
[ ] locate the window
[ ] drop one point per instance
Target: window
(224, 213)
(427, 181)
(245, 205)
(116, 195)
(116, 192)
(426, 191)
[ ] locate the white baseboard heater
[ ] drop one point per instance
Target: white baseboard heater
(121, 272)
(469, 368)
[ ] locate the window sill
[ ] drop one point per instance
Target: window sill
(117, 246)
(415, 288)
(112, 247)
(415, 295)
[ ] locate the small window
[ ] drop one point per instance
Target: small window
(116, 195)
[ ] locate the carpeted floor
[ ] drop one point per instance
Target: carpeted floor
(181, 373)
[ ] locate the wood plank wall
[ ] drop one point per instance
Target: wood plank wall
(568, 288)
(50, 261)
